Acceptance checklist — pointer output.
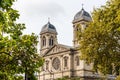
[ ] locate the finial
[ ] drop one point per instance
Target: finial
(82, 5)
(48, 19)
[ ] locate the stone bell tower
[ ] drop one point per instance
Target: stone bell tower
(48, 37)
(79, 24)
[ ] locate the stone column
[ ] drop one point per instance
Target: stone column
(47, 41)
(71, 63)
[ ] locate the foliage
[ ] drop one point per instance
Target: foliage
(18, 52)
(118, 78)
(63, 78)
(67, 78)
(99, 43)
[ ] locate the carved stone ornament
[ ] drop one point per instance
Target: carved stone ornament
(56, 63)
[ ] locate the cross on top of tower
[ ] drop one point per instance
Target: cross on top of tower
(48, 19)
(82, 5)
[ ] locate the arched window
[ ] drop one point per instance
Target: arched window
(77, 60)
(47, 65)
(42, 68)
(51, 42)
(44, 41)
(65, 61)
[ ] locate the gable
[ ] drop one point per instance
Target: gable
(56, 49)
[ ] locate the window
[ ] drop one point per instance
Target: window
(47, 65)
(51, 42)
(77, 60)
(65, 61)
(56, 63)
(42, 68)
(44, 41)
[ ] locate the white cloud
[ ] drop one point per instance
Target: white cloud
(40, 7)
(50, 9)
(34, 14)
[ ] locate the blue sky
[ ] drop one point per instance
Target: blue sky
(35, 13)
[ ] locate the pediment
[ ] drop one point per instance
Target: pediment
(56, 49)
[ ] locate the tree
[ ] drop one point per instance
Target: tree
(118, 78)
(67, 78)
(18, 52)
(99, 43)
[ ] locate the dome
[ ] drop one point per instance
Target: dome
(48, 28)
(82, 16)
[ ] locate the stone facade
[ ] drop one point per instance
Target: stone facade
(62, 60)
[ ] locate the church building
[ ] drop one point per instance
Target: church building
(63, 60)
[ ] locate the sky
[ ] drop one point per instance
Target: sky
(35, 14)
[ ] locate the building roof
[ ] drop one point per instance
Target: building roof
(62, 48)
(82, 16)
(48, 28)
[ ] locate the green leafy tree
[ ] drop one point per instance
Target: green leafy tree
(18, 52)
(118, 78)
(67, 78)
(99, 43)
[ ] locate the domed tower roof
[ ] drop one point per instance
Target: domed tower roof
(48, 28)
(82, 16)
